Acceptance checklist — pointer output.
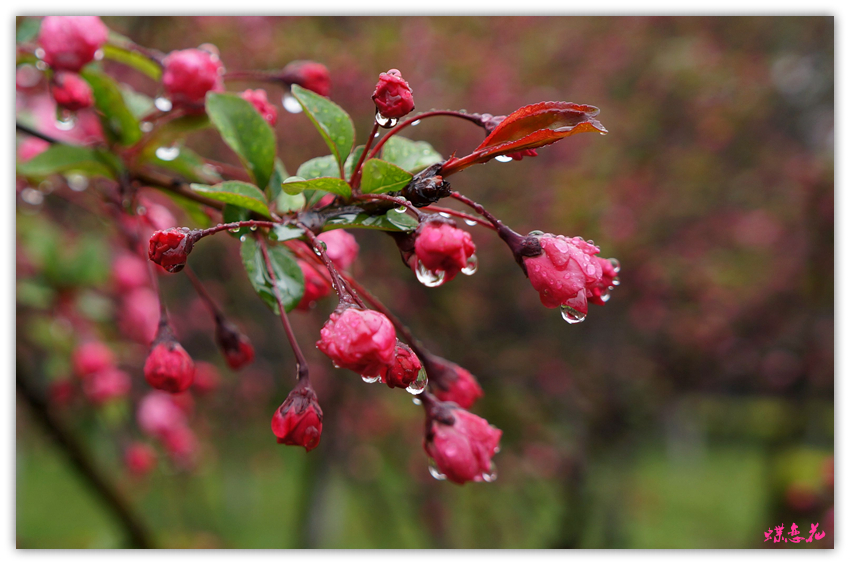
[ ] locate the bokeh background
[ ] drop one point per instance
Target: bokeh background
(694, 410)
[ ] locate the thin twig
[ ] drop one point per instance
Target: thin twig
(474, 118)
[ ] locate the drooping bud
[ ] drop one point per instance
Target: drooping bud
(442, 248)
(168, 366)
(393, 97)
(71, 92)
(105, 385)
(298, 421)
(157, 414)
(138, 317)
(308, 74)
(360, 340)
(342, 248)
(260, 101)
(460, 444)
(235, 345)
(189, 74)
(91, 357)
(69, 42)
(315, 286)
(170, 248)
(139, 458)
(129, 271)
(404, 369)
(453, 383)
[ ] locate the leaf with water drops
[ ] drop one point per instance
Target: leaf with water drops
(352, 160)
(139, 104)
(393, 220)
(132, 59)
(319, 167)
(530, 127)
(237, 193)
(333, 123)
(278, 176)
(380, 176)
(246, 132)
(185, 163)
(232, 213)
(61, 158)
(412, 156)
(119, 123)
(287, 274)
(335, 185)
(285, 232)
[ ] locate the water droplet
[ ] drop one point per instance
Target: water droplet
(498, 449)
(401, 209)
(377, 134)
(323, 245)
(76, 182)
(46, 187)
(504, 159)
(243, 239)
(32, 196)
(168, 153)
(141, 211)
(417, 401)
(98, 55)
(234, 230)
(571, 315)
(427, 277)
(415, 122)
(39, 52)
(370, 380)
(65, 119)
(162, 104)
(535, 232)
(209, 48)
(470, 222)
(417, 386)
(615, 263)
(616, 281)
(253, 228)
(27, 76)
(471, 265)
(291, 105)
(146, 127)
(41, 65)
(383, 121)
(491, 476)
(445, 215)
(432, 468)
(605, 296)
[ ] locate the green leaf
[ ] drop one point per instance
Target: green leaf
(352, 160)
(319, 167)
(284, 232)
(236, 192)
(393, 220)
(194, 210)
(132, 59)
(246, 132)
(187, 164)
(61, 158)
(233, 213)
(333, 123)
(139, 104)
(27, 30)
(118, 121)
(296, 185)
(287, 273)
(380, 176)
(289, 202)
(412, 156)
(278, 176)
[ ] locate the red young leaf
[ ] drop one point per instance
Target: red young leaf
(530, 127)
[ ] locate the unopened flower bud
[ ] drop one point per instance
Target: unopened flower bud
(91, 357)
(105, 385)
(69, 42)
(298, 421)
(168, 367)
(139, 458)
(235, 345)
(442, 247)
(158, 413)
(71, 91)
(189, 74)
(182, 445)
(404, 369)
(308, 74)
(207, 378)
(393, 96)
(342, 248)
(170, 248)
(462, 445)
(453, 383)
(129, 271)
(315, 286)
(360, 340)
(260, 101)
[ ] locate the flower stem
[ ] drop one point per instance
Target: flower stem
(236, 225)
(357, 173)
(346, 294)
(300, 361)
(474, 118)
(394, 199)
(205, 296)
(440, 210)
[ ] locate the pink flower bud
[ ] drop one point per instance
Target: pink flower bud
(105, 385)
(71, 92)
(462, 445)
(139, 458)
(442, 247)
(158, 413)
(191, 73)
(129, 271)
(91, 357)
(298, 421)
(170, 248)
(342, 248)
(261, 102)
(308, 74)
(69, 42)
(453, 383)
(235, 345)
(168, 366)
(360, 340)
(392, 95)
(138, 317)
(157, 216)
(404, 369)
(207, 378)
(182, 445)
(567, 273)
(315, 286)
